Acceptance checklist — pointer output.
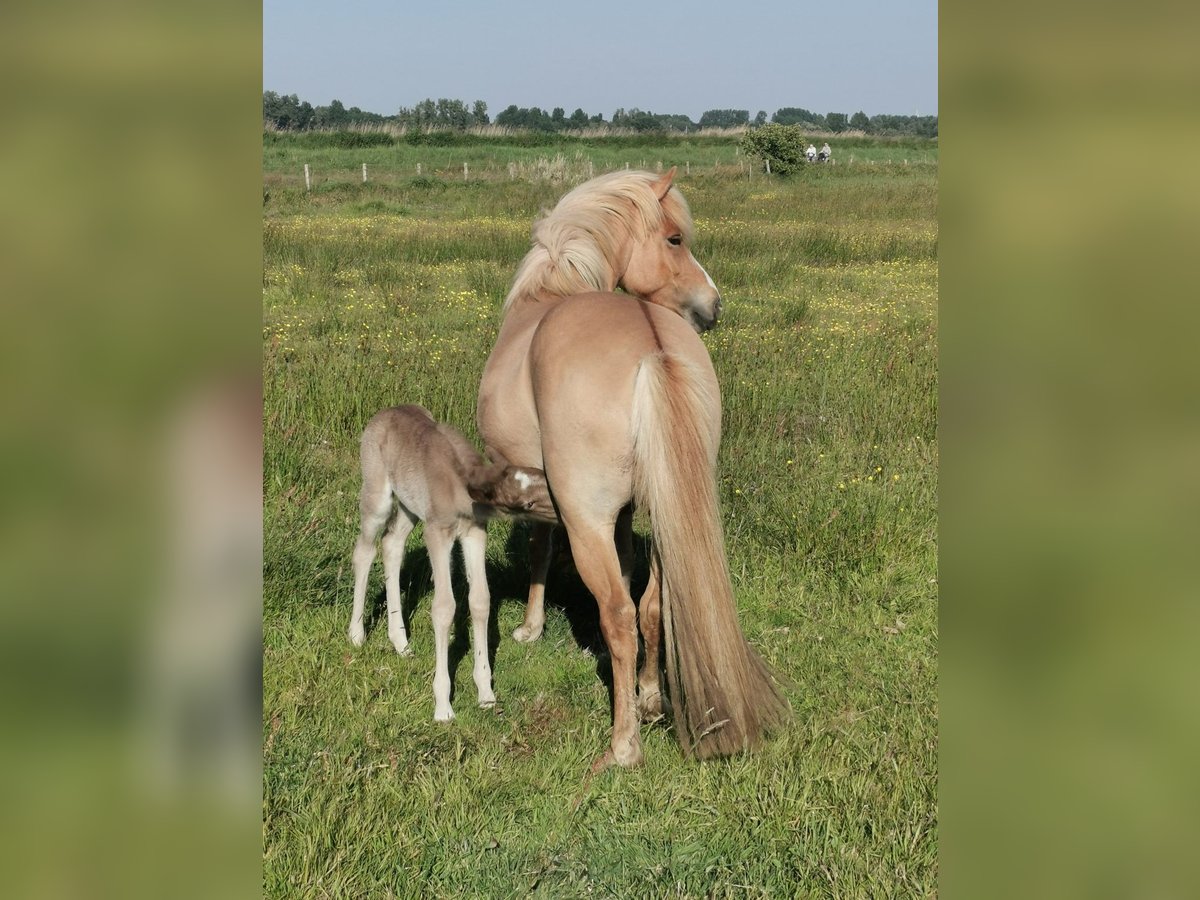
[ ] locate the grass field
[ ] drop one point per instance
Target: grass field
(389, 293)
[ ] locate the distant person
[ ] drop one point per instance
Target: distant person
(825, 152)
(811, 153)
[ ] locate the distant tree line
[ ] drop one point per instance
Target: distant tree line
(288, 112)
(920, 126)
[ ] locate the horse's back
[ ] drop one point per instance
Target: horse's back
(591, 345)
(421, 460)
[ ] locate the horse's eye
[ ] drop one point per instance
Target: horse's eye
(675, 240)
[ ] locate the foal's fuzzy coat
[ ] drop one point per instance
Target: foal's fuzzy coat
(432, 472)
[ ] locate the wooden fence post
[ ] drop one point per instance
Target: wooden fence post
(307, 178)
(465, 171)
(418, 168)
(364, 173)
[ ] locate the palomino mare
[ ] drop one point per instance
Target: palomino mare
(615, 397)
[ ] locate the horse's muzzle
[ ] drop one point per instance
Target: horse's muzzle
(706, 321)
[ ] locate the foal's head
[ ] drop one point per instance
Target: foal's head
(516, 491)
(661, 268)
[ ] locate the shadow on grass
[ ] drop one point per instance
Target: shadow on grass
(508, 582)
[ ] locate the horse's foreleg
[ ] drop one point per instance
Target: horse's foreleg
(541, 548)
(598, 565)
(393, 560)
(474, 546)
(440, 541)
(650, 703)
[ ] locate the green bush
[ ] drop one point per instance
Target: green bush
(780, 145)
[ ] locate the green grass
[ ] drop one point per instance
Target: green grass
(389, 293)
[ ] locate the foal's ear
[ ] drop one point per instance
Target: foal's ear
(663, 184)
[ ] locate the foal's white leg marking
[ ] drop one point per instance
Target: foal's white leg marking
(373, 519)
(707, 277)
(440, 542)
(474, 546)
(393, 559)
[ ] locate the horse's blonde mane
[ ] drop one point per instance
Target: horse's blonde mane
(575, 245)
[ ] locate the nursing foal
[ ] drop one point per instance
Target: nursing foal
(415, 468)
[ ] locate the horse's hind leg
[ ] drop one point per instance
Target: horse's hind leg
(393, 559)
(623, 535)
(440, 540)
(649, 699)
(598, 565)
(541, 549)
(474, 547)
(375, 508)
(650, 703)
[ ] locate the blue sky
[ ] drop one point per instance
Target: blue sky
(826, 56)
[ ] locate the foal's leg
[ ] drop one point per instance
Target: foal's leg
(440, 541)
(650, 620)
(598, 565)
(393, 559)
(474, 547)
(375, 507)
(541, 548)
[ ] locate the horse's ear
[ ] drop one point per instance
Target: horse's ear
(664, 184)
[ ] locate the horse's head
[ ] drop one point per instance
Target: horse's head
(661, 268)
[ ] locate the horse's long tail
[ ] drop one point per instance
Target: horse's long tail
(725, 698)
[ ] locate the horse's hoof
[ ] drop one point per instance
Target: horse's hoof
(527, 635)
(358, 636)
(487, 702)
(443, 715)
(402, 648)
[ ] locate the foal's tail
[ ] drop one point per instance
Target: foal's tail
(724, 696)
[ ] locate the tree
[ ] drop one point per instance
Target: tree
(860, 122)
(304, 115)
(578, 119)
(479, 115)
(780, 145)
(509, 117)
(760, 119)
(798, 115)
(332, 116)
(835, 121)
(724, 118)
